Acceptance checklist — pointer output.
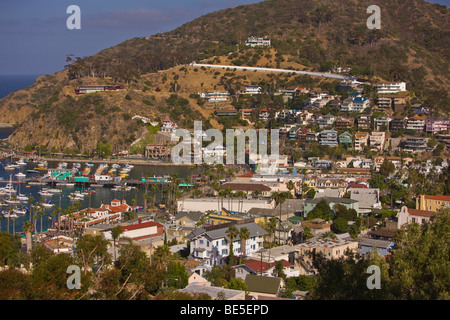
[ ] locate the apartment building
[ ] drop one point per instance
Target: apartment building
(361, 140)
(376, 141)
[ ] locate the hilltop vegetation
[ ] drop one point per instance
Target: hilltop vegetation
(315, 35)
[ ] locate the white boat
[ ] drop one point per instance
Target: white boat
(21, 162)
(48, 204)
(45, 193)
(22, 197)
(65, 184)
(20, 211)
(20, 175)
(10, 215)
(54, 190)
(77, 195)
(12, 201)
(11, 167)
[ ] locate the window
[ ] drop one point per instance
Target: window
(224, 252)
(224, 242)
(200, 241)
(207, 243)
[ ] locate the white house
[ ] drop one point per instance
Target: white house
(212, 244)
(390, 87)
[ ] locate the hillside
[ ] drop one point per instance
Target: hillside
(306, 35)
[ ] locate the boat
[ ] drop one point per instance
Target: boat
(87, 191)
(77, 195)
(10, 167)
(22, 197)
(20, 211)
(54, 190)
(45, 193)
(20, 175)
(32, 171)
(10, 215)
(49, 204)
(12, 201)
(65, 184)
(41, 168)
(21, 162)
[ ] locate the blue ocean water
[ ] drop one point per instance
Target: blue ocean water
(11, 83)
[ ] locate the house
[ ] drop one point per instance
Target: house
(361, 140)
(413, 144)
(407, 215)
(259, 267)
(140, 230)
(59, 244)
(258, 42)
(435, 125)
(346, 138)
(214, 292)
(188, 219)
(117, 206)
(231, 112)
(196, 279)
(264, 114)
(312, 136)
(416, 123)
(363, 122)
(397, 123)
(344, 123)
(383, 247)
(368, 198)
(432, 203)
(168, 125)
(261, 285)
(381, 123)
(355, 103)
(251, 90)
(215, 96)
(226, 216)
(90, 89)
(390, 87)
(326, 120)
(310, 204)
(328, 138)
(376, 141)
(211, 244)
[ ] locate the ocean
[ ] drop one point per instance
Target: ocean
(11, 83)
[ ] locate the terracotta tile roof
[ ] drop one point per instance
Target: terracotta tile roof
(422, 213)
(442, 198)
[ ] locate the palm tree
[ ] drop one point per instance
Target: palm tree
(244, 234)
(241, 194)
(291, 186)
(31, 199)
(272, 227)
(41, 215)
(115, 233)
(28, 228)
(232, 233)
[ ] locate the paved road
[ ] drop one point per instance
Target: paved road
(314, 74)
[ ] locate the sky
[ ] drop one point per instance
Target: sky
(35, 39)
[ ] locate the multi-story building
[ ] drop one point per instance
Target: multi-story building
(397, 123)
(361, 140)
(355, 103)
(376, 141)
(414, 144)
(346, 138)
(432, 203)
(416, 123)
(258, 42)
(328, 138)
(312, 136)
(212, 244)
(215, 96)
(390, 87)
(326, 120)
(381, 121)
(363, 122)
(344, 123)
(436, 125)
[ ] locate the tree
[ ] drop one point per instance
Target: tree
(387, 168)
(28, 229)
(115, 233)
(237, 284)
(232, 233)
(340, 225)
(244, 234)
(279, 269)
